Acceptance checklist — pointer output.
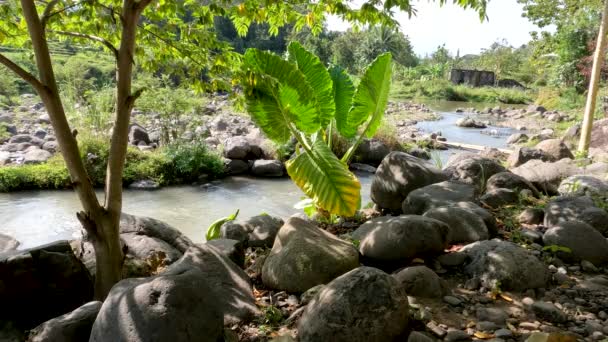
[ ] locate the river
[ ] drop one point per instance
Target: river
(38, 217)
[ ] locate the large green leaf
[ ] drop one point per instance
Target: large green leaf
(267, 113)
(319, 79)
(370, 98)
(343, 96)
(326, 180)
(270, 75)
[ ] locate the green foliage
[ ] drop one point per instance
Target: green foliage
(213, 232)
(51, 175)
(187, 162)
(298, 98)
(554, 249)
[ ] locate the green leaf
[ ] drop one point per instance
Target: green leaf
(343, 95)
(213, 232)
(326, 180)
(370, 98)
(319, 79)
(267, 113)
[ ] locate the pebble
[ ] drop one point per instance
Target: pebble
(503, 333)
(588, 267)
(597, 336)
(527, 301)
(548, 312)
(529, 325)
(457, 335)
(561, 278)
(494, 315)
(452, 300)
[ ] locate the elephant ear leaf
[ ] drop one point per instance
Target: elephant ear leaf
(326, 180)
(371, 97)
(319, 79)
(343, 96)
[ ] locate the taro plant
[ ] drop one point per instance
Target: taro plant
(300, 98)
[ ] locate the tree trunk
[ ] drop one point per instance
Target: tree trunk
(598, 60)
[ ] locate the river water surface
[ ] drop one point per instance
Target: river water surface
(38, 217)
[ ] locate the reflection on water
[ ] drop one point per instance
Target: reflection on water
(38, 217)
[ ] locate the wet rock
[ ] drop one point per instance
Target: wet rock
(584, 242)
(469, 123)
(531, 216)
(474, 170)
(548, 312)
(394, 239)
(144, 184)
(138, 134)
(48, 278)
(421, 281)
(465, 226)
(508, 180)
(522, 155)
(345, 311)
(267, 168)
(232, 249)
(36, 156)
(236, 166)
(497, 198)
(174, 306)
(566, 208)
(581, 185)
(362, 167)
(304, 256)
(514, 267)
(398, 175)
(545, 176)
(371, 151)
(7, 243)
(71, 327)
(437, 195)
(555, 148)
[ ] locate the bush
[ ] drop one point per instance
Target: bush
(174, 164)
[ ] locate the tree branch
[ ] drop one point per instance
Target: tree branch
(103, 41)
(26, 76)
(46, 15)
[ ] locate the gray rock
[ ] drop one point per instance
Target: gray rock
(310, 294)
(437, 195)
(584, 242)
(51, 146)
(257, 231)
(7, 243)
(454, 301)
(421, 281)
(138, 134)
(581, 185)
(71, 327)
(144, 184)
(469, 123)
(232, 249)
(5, 158)
(497, 198)
(485, 215)
(531, 216)
(174, 306)
(40, 133)
(417, 336)
(401, 238)
(517, 138)
(486, 326)
(494, 315)
(536, 109)
(522, 155)
(465, 226)
(141, 225)
(599, 135)
(49, 278)
(242, 148)
(398, 175)
(371, 151)
(453, 259)
(565, 208)
(304, 256)
(36, 156)
(20, 138)
(474, 170)
(573, 131)
(503, 333)
(548, 312)
(236, 166)
(44, 119)
(514, 267)
(555, 148)
(545, 176)
(362, 167)
(345, 311)
(457, 335)
(267, 168)
(508, 180)
(532, 235)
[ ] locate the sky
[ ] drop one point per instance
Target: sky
(459, 29)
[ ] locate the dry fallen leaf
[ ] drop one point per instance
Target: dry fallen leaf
(483, 336)
(505, 297)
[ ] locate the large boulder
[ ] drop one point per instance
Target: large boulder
(371, 151)
(546, 176)
(36, 156)
(398, 175)
(474, 170)
(421, 281)
(141, 225)
(402, 238)
(555, 148)
(485, 215)
(242, 148)
(48, 278)
(465, 226)
(566, 208)
(522, 155)
(469, 122)
(599, 135)
(363, 305)
(582, 185)
(74, 326)
(232, 249)
(505, 264)
(304, 256)
(257, 231)
(508, 180)
(7, 243)
(584, 242)
(267, 168)
(497, 198)
(138, 134)
(176, 306)
(437, 195)
(236, 166)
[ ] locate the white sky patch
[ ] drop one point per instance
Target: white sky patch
(457, 28)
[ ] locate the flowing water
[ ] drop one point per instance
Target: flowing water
(38, 217)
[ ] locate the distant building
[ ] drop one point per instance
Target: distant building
(473, 78)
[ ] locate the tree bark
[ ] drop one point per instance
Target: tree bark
(598, 60)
